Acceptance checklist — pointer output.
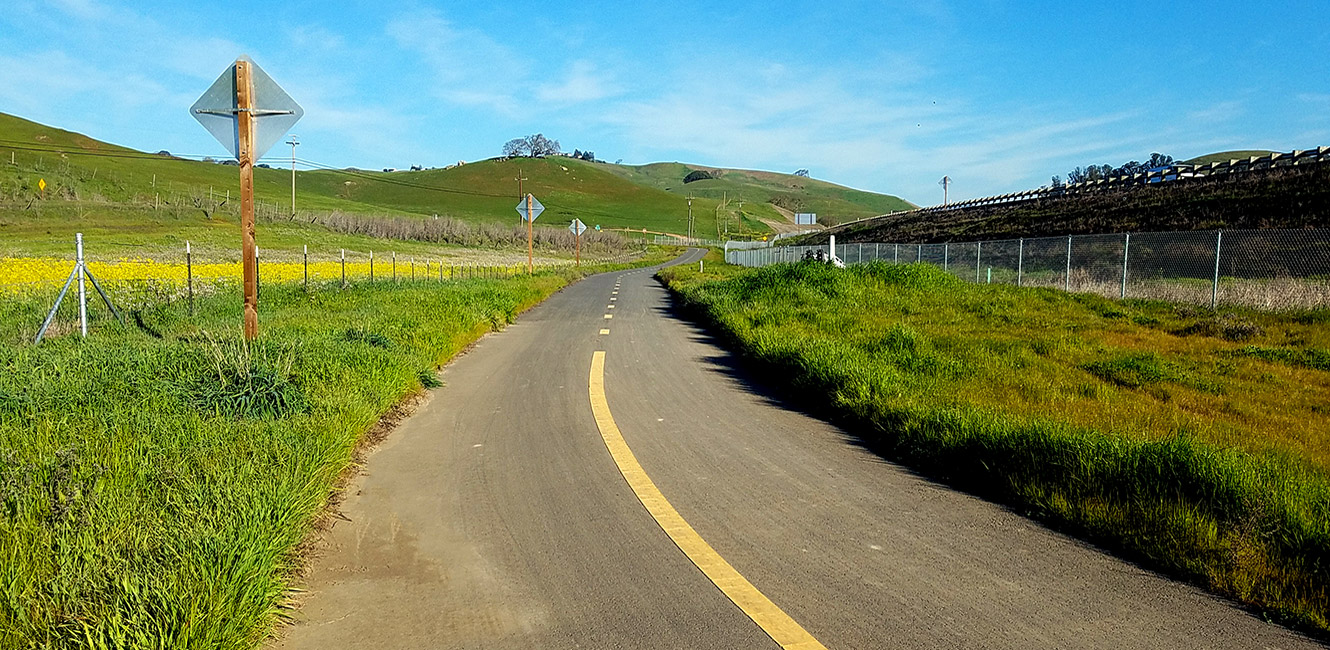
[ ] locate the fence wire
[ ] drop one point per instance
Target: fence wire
(1265, 269)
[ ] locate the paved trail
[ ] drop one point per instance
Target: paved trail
(651, 496)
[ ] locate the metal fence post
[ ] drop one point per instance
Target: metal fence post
(83, 295)
(1067, 282)
(189, 273)
(371, 266)
(258, 287)
(306, 265)
(1214, 289)
(343, 268)
(1126, 247)
(918, 253)
(1020, 263)
(946, 255)
(877, 252)
(896, 256)
(978, 255)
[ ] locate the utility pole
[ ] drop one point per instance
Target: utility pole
(690, 218)
(946, 184)
(521, 195)
(295, 140)
(529, 266)
(245, 156)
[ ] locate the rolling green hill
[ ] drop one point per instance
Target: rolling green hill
(1225, 156)
(765, 195)
(106, 178)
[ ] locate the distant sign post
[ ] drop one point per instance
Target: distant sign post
(530, 209)
(248, 113)
(805, 218)
(577, 228)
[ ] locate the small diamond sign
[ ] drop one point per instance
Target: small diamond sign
(577, 227)
(274, 110)
(536, 208)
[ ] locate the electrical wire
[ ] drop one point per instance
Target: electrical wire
(310, 165)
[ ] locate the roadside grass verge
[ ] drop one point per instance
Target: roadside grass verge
(1194, 448)
(153, 491)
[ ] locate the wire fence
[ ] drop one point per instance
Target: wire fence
(1265, 269)
(138, 283)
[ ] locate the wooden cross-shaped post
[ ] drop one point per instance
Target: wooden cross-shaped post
(245, 156)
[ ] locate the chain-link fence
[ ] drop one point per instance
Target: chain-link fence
(1266, 269)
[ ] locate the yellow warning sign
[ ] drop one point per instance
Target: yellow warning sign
(41, 184)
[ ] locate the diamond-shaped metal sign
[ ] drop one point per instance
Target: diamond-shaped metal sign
(274, 110)
(577, 227)
(536, 208)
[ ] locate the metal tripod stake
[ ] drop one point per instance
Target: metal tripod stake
(80, 271)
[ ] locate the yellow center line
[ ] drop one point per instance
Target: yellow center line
(609, 316)
(609, 306)
(772, 619)
(605, 330)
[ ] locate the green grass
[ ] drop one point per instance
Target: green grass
(486, 191)
(759, 190)
(1225, 156)
(1126, 423)
(156, 480)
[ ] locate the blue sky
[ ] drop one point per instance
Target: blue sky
(884, 96)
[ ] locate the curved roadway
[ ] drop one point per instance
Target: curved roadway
(496, 517)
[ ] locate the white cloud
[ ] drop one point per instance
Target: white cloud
(584, 83)
(466, 67)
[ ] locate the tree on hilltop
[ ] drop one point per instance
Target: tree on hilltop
(532, 146)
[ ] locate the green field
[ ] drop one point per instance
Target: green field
(162, 201)
(1189, 440)
(758, 191)
(1225, 156)
(157, 479)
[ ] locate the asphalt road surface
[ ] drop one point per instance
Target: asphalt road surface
(506, 514)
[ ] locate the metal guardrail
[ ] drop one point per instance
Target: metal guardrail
(1265, 269)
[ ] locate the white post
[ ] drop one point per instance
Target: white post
(1214, 289)
(83, 296)
(1126, 247)
(946, 255)
(1067, 282)
(1020, 262)
(978, 255)
(833, 247)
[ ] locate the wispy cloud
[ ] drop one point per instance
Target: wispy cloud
(465, 66)
(583, 83)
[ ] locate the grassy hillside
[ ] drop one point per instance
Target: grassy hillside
(98, 175)
(1225, 156)
(759, 191)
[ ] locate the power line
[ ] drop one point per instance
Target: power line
(309, 164)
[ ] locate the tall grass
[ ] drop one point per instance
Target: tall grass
(153, 490)
(1178, 447)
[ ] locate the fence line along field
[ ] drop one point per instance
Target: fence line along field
(1193, 440)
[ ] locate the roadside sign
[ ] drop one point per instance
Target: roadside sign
(597, 226)
(577, 227)
(248, 113)
(536, 209)
(218, 111)
(41, 184)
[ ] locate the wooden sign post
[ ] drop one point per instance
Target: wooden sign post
(530, 210)
(247, 112)
(245, 155)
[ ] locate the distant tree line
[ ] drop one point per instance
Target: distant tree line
(1099, 172)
